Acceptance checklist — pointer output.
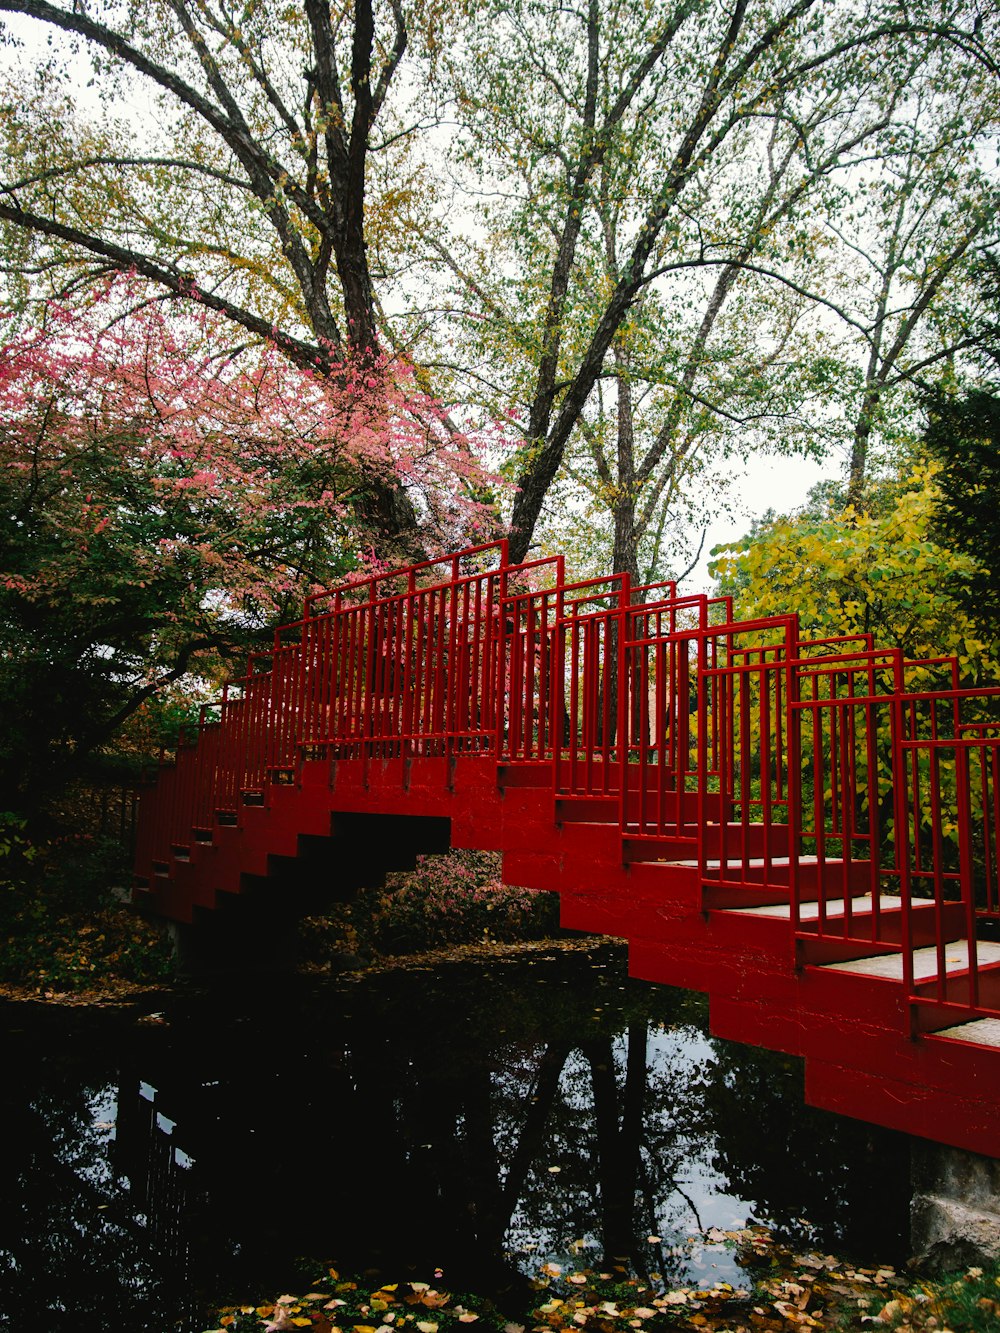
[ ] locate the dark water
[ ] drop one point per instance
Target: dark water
(479, 1118)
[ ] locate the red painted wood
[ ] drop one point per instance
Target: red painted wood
(659, 765)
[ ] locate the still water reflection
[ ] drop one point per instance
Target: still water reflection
(479, 1118)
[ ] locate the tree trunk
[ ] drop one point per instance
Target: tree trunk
(859, 450)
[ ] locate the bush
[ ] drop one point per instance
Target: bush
(456, 898)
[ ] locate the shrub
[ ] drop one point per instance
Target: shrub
(455, 898)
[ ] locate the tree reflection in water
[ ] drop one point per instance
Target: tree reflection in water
(482, 1119)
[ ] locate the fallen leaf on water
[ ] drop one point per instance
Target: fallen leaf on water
(792, 1314)
(578, 1279)
(426, 1326)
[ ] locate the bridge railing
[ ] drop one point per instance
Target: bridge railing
(950, 775)
(624, 699)
(892, 807)
(209, 746)
(586, 703)
(849, 812)
(668, 643)
(835, 768)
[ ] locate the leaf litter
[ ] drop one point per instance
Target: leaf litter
(791, 1291)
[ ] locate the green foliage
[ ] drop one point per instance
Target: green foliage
(964, 1302)
(963, 435)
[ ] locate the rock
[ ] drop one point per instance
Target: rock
(954, 1209)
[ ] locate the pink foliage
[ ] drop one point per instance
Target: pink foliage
(235, 442)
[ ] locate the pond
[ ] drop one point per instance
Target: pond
(479, 1117)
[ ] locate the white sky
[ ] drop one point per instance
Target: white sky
(759, 484)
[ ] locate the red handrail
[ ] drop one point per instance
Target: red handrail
(828, 767)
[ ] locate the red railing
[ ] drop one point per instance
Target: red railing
(827, 772)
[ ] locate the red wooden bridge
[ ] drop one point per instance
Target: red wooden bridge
(808, 830)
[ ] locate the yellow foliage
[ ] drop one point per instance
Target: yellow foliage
(850, 573)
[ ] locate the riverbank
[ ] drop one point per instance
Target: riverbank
(121, 993)
(72, 939)
(789, 1291)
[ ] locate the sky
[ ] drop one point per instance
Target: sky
(766, 483)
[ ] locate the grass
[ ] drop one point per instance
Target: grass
(966, 1302)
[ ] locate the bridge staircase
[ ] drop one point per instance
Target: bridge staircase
(807, 830)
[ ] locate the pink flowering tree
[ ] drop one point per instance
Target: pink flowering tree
(164, 506)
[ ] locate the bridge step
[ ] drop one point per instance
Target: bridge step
(978, 1032)
(925, 961)
(572, 809)
(828, 935)
(746, 843)
(645, 850)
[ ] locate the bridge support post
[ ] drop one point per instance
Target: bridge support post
(954, 1207)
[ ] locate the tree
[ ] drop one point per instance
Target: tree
(918, 234)
(674, 104)
(290, 139)
(879, 573)
(709, 367)
(250, 198)
(164, 507)
(963, 436)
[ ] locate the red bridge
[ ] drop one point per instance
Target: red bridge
(808, 830)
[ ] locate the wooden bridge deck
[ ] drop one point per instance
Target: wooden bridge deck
(807, 831)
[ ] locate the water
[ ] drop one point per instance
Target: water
(480, 1118)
